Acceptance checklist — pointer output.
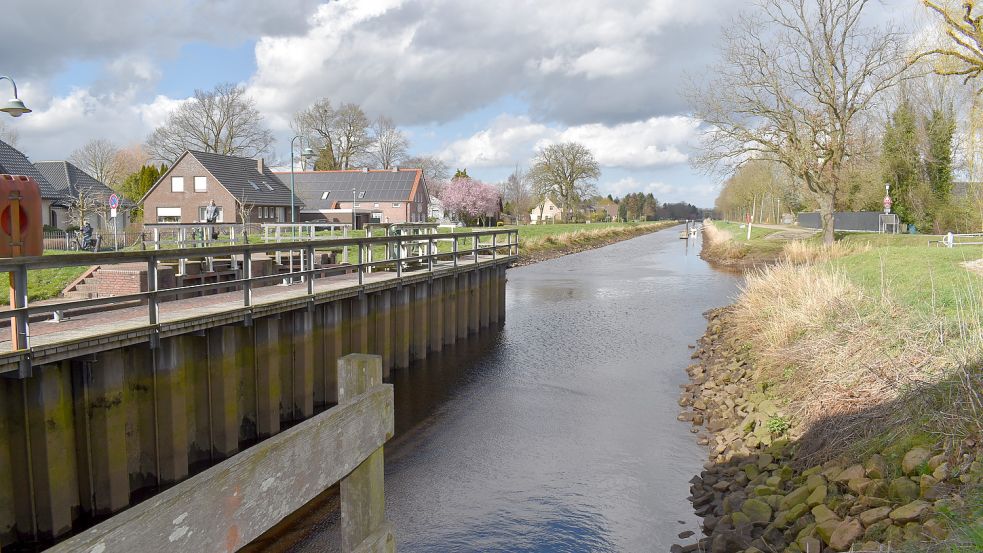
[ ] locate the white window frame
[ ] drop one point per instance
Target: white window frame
(397, 204)
(177, 184)
(203, 182)
(169, 212)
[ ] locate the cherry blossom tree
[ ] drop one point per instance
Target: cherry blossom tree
(470, 199)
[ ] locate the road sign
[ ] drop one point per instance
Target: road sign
(114, 202)
(112, 212)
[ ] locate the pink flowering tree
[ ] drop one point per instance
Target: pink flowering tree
(470, 199)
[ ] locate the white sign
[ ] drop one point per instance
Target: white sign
(112, 212)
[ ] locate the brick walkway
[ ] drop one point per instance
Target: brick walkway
(112, 322)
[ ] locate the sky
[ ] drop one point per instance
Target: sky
(482, 85)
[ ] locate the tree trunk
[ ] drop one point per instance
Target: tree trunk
(826, 206)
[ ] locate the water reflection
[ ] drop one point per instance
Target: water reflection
(558, 432)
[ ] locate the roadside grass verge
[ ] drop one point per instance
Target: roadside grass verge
(537, 240)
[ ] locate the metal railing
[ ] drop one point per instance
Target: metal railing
(397, 254)
(951, 240)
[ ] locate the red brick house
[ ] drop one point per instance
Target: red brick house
(381, 196)
(242, 188)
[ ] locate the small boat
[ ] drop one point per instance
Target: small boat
(683, 235)
(692, 232)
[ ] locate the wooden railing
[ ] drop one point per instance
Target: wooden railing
(382, 253)
(235, 501)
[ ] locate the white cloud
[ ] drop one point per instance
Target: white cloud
(654, 142)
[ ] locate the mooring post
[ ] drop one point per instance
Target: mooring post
(171, 374)
(268, 363)
(463, 302)
(223, 393)
(363, 500)
(493, 295)
(421, 315)
(485, 297)
(450, 309)
(383, 330)
(105, 418)
(401, 337)
(474, 301)
(437, 314)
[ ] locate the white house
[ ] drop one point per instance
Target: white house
(436, 210)
(547, 212)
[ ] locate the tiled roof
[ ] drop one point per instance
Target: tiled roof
(241, 177)
(13, 162)
(378, 186)
(69, 179)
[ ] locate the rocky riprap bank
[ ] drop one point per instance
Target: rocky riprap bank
(755, 496)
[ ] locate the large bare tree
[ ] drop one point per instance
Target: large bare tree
(128, 161)
(222, 120)
(434, 169)
(517, 193)
(389, 143)
(794, 79)
(340, 135)
(565, 172)
(97, 157)
(962, 53)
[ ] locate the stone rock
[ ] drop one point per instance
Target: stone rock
(823, 513)
(941, 472)
(764, 460)
(686, 534)
(869, 517)
(936, 461)
(913, 532)
(845, 534)
(813, 481)
(798, 495)
(762, 491)
(910, 512)
(817, 496)
(914, 459)
(739, 519)
(936, 529)
(929, 487)
(876, 467)
(811, 545)
(826, 528)
(858, 485)
(756, 510)
(902, 490)
(876, 488)
(893, 535)
(850, 473)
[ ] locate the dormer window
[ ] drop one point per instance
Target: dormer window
(324, 195)
(361, 194)
(253, 184)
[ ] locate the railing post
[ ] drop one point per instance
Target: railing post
(475, 244)
(309, 254)
(360, 268)
(495, 246)
(430, 254)
(454, 250)
(19, 293)
(247, 274)
(363, 501)
(152, 284)
(399, 255)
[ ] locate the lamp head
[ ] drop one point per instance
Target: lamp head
(307, 153)
(15, 107)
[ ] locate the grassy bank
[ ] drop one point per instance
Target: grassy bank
(540, 242)
(864, 358)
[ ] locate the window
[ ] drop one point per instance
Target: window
(201, 184)
(201, 214)
(168, 214)
(324, 195)
(361, 194)
(375, 204)
(396, 204)
(357, 205)
(253, 184)
(177, 184)
(280, 214)
(267, 185)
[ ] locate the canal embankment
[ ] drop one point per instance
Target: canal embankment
(839, 400)
(543, 242)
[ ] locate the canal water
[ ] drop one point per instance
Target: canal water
(557, 432)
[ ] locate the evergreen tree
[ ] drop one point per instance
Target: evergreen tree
(137, 184)
(939, 128)
(901, 161)
(461, 174)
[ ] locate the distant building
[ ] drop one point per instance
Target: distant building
(13, 162)
(436, 208)
(380, 196)
(245, 191)
(78, 187)
(547, 212)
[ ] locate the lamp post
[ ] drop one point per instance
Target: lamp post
(14, 107)
(306, 154)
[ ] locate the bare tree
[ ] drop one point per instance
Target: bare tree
(317, 124)
(389, 143)
(127, 161)
(97, 158)
(517, 193)
(340, 135)
(86, 204)
(245, 209)
(565, 172)
(8, 134)
(434, 169)
(222, 121)
(795, 76)
(962, 54)
(352, 131)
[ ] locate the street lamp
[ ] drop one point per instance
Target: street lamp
(14, 107)
(306, 154)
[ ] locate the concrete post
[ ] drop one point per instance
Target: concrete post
(107, 432)
(463, 303)
(401, 337)
(485, 291)
(173, 357)
(303, 364)
(382, 310)
(268, 383)
(223, 373)
(436, 314)
(421, 316)
(450, 310)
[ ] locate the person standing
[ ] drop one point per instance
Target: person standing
(211, 217)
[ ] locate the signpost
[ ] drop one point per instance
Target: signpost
(113, 207)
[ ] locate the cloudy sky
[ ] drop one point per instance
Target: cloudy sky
(480, 84)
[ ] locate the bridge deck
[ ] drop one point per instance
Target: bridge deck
(92, 332)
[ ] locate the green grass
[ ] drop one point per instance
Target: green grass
(43, 284)
(740, 234)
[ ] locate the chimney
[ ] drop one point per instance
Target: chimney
(259, 165)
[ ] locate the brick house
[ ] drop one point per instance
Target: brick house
(241, 187)
(13, 162)
(381, 196)
(77, 186)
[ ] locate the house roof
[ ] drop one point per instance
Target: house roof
(384, 185)
(13, 162)
(240, 176)
(68, 180)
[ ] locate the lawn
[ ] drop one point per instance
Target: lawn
(740, 234)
